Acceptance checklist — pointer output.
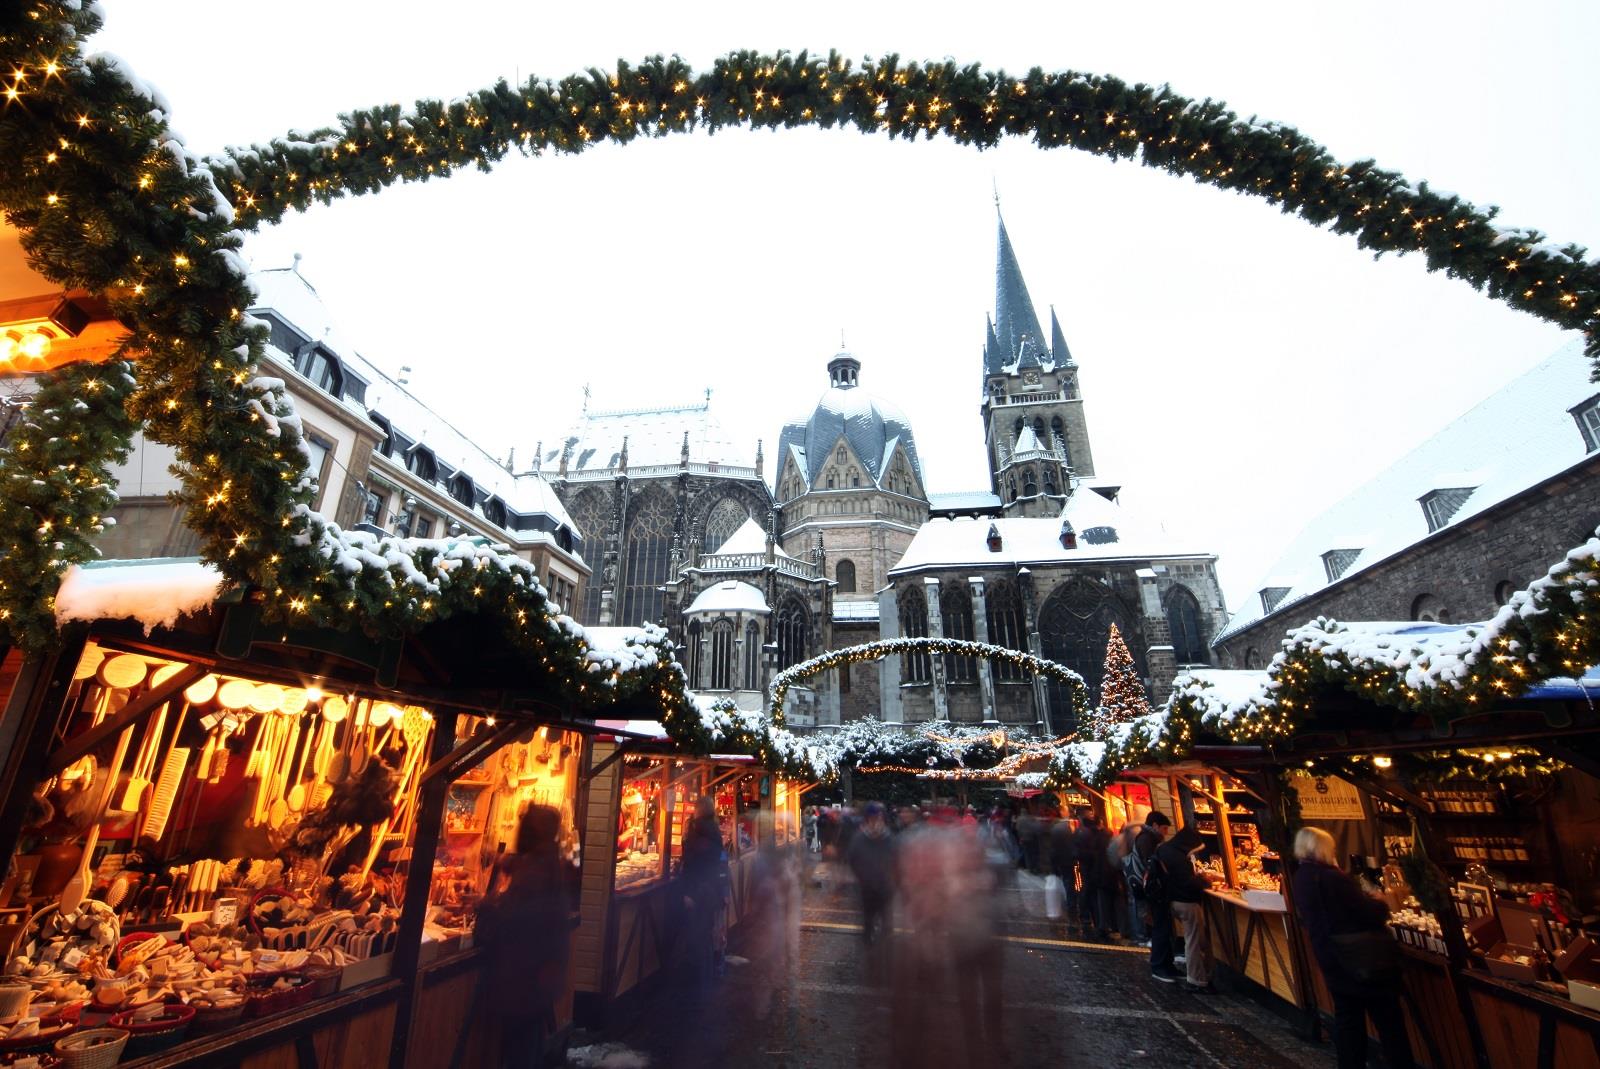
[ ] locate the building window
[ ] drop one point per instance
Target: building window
(1003, 609)
(1272, 597)
(647, 559)
(955, 613)
(321, 367)
(424, 526)
(1038, 429)
(372, 508)
(845, 573)
(1503, 591)
(1429, 608)
(855, 477)
(725, 517)
(1011, 487)
(1074, 625)
(1588, 417)
(752, 656)
(917, 666)
(722, 655)
(831, 478)
(694, 654)
(1183, 619)
(792, 626)
(1029, 486)
(420, 463)
(386, 446)
(1252, 658)
(1050, 483)
(1440, 505)
(590, 510)
(461, 489)
(318, 450)
(494, 510)
(1337, 561)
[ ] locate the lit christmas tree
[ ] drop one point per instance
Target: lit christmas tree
(1122, 696)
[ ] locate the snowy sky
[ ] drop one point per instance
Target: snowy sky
(1241, 370)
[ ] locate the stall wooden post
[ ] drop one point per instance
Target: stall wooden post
(1219, 803)
(419, 878)
(1176, 806)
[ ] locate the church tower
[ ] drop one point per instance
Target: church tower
(1033, 417)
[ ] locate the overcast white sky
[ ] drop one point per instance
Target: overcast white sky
(1241, 370)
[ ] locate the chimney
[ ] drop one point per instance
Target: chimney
(994, 539)
(1069, 537)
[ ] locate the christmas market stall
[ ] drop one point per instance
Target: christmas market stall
(238, 843)
(640, 792)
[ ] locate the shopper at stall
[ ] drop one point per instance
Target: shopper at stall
(522, 927)
(872, 859)
(1359, 958)
(1186, 887)
(1094, 900)
(1117, 856)
(704, 881)
(1148, 885)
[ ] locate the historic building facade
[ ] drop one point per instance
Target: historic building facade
(1451, 529)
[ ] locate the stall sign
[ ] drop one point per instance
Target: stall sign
(1328, 798)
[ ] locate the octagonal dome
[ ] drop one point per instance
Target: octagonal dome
(871, 426)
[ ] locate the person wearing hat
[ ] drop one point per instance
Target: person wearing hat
(871, 858)
(1157, 826)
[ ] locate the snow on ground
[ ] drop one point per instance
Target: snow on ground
(607, 1056)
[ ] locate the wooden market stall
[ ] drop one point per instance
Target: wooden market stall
(285, 829)
(640, 793)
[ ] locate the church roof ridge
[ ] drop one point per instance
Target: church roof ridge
(651, 410)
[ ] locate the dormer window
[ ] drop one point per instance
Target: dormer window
(1100, 536)
(1069, 537)
(420, 463)
(321, 367)
(993, 538)
(1272, 597)
(385, 447)
(1337, 561)
(461, 488)
(494, 510)
(1588, 417)
(1439, 506)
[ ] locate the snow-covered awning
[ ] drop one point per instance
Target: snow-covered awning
(155, 593)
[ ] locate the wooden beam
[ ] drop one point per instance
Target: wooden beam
(455, 762)
(131, 714)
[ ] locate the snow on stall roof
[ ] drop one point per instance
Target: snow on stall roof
(1028, 540)
(1514, 439)
(154, 593)
(730, 596)
(285, 292)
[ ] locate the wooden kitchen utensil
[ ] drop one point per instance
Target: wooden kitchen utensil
(73, 893)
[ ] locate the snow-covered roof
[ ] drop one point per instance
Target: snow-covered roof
(1514, 439)
(870, 425)
(964, 499)
(751, 537)
(284, 292)
(730, 596)
(655, 438)
(154, 593)
(1105, 530)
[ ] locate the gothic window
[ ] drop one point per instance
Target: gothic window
(1016, 431)
(832, 478)
(1029, 486)
(590, 511)
(752, 656)
(845, 573)
(793, 632)
(1252, 658)
(840, 455)
(693, 666)
(1073, 626)
(646, 559)
(1011, 486)
(1058, 434)
(1183, 618)
(915, 667)
(1429, 608)
(1050, 482)
(1038, 429)
(722, 655)
(955, 611)
(855, 477)
(725, 517)
(1003, 608)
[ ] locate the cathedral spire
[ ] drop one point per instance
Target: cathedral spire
(1015, 319)
(1059, 352)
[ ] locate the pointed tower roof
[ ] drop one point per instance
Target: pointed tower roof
(1058, 341)
(1013, 308)
(994, 358)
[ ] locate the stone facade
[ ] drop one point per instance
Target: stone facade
(1462, 573)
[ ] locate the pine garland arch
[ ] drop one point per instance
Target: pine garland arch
(887, 647)
(107, 198)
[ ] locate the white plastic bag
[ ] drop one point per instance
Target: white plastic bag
(1052, 897)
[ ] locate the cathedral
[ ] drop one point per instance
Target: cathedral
(846, 544)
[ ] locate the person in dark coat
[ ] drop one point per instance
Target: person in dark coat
(703, 878)
(1331, 903)
(1157, 826)
(871, 857)
(522, 928)
(1186, 890)
(1094, 904)
(1064, 865)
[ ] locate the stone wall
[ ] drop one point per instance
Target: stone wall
(1467, 570)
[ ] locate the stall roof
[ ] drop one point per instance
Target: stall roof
(153, 592)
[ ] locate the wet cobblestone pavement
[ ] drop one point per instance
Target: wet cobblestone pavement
(1066, 1003)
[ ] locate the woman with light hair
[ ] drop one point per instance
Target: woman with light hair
(1359, 958)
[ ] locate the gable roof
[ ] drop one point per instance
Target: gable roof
(1514, 439)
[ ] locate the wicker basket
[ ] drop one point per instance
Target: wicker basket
(217, 1018)
(155, 1034)
(50, 1030)
(96, 1048)
(264, 1000)
(324, 979)
(14, 998)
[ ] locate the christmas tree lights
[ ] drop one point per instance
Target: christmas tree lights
(1122, 696)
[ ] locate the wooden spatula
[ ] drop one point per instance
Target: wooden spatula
(73, 893)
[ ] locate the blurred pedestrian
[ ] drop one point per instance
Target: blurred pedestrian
(1028, 830)
(1089, 843)
(522, 928)
(1121, 850)
(1359, 958)
(1151, 890)
(770, 924)
(1186, 890)
(703, 879)
(1064, 864)
(871, 858)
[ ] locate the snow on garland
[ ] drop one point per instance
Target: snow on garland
(873, 651)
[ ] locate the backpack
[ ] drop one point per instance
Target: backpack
(1151, 876)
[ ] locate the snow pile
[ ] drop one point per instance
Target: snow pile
(154, 593)
(1217, 698)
